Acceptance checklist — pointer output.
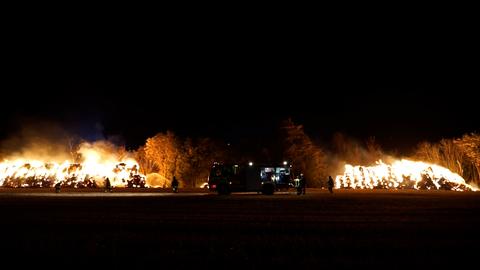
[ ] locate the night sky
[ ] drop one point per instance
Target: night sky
(239, 93)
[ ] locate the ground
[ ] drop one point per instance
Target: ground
(379, 229)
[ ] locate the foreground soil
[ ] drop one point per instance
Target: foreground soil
(245, 230)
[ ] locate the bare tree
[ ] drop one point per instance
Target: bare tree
(461, 155)
(146, 165)
(306, 157)
(163, 150)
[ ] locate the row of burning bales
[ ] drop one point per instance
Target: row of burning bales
(401, 174)
(20, 173)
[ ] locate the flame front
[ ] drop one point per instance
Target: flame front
(93, 171)
(401, 174)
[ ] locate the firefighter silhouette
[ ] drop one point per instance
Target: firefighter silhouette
(302, 184)
(108, 185)
(330, 184)
(175, 184)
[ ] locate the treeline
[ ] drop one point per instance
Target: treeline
(166, 155)
(460, 155)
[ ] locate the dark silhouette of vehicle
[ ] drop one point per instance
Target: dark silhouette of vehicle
(264, 178)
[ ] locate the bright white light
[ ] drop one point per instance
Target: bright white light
(285, 163)
(250, 163)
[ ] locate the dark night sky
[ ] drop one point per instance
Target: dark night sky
(239, 89)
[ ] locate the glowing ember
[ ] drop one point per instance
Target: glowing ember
(401, 174)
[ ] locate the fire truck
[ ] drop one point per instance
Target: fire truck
(261, 178)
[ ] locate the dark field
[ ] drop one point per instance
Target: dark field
(193, 229)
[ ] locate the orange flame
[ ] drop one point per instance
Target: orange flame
(401, 174)
(93, 171)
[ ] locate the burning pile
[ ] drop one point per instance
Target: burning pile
(401, 174)
(21, 173)
(95, 162)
